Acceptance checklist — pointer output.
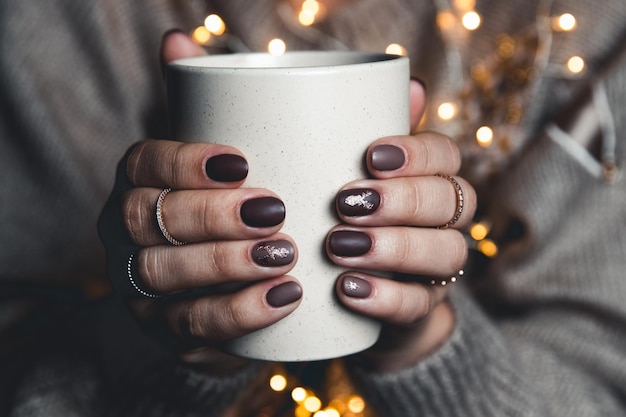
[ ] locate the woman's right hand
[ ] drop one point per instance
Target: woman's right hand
(224, 282)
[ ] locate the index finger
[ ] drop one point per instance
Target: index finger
(163, 163)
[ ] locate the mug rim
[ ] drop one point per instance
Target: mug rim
(307, 60)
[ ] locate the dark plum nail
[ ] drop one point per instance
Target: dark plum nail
(284, 294)
(263, 212)
(349, 243)
(227, 168)
(356, 287)
(358, 202)
(273, 253)
(387, 157)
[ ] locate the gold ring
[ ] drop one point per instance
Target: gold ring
(161, 223)
(460, 200)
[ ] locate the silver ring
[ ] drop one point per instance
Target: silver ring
(460, 200)
(451, 280)
(129, 269)
(161, 223)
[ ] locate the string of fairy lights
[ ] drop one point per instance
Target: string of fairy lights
(487, 134)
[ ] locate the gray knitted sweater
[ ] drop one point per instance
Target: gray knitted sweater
(541, 328)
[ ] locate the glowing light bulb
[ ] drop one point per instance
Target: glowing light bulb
(564, 23)
(395, 49)
(576, 65)
(484, 136)
(298, 394)
(312, 404)
(278, 382)
(471, 20)
(276, 47)
(215, 24)
(356, 404)
(446, 111)
(201, 35)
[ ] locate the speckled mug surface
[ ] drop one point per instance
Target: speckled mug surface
(303, 120)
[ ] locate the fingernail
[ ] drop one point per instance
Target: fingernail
(356, 287)
(387, 157)
(227, 168)
(358, 202)
(273, 253)
(263, 212)
(284, 294)
(349, 243)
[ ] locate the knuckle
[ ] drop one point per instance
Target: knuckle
(192, 324)
(404, 251)
(149, 272)
(458, 249)
(135, 222)
(134, 163)
(208, 222)
(219, 259)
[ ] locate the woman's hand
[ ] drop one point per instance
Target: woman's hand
(413, 194)
(218, 285)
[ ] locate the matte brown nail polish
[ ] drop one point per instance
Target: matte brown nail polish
(227, 168)
(349, 243)
(263, 212)
(273, 253)
(283, 294)
(387, 157)
(356, 287)
(358, 202)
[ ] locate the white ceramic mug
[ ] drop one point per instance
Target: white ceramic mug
(303, 120)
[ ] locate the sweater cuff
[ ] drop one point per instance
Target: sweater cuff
(473, 374)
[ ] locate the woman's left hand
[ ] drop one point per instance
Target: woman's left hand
(405, 221)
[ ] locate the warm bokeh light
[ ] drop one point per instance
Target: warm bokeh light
(331, 412)
(576, 65)
(479, 231)
(278, 382)
(464, 5)
(488, 248)
(445, 20)
(484, 136)
(564, 23)
(298, 394)
(276, 47)
(395, 49)
(300, 411)
(471, 20)
(215, 24)
(356, 404)
(201, 35)
(311, 5)
(306, 17)
(446, 111)
(312, 404)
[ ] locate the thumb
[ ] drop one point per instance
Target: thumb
(418, 102)
(176, 45)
